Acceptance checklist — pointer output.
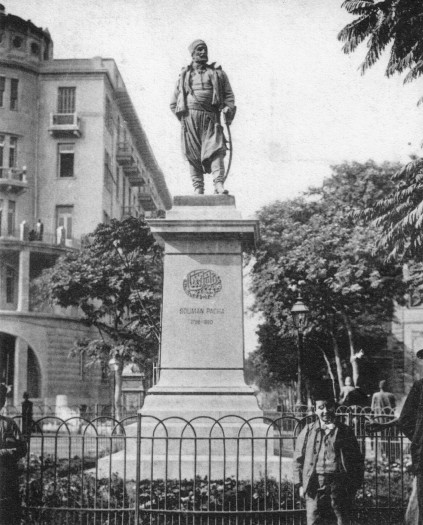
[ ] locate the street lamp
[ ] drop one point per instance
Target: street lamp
(300, 315)
(114, 368)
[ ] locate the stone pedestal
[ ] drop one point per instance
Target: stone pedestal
(202, 345)
(201, 419)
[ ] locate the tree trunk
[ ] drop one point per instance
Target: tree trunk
(330, 373)
(337, 360)
(353, 361)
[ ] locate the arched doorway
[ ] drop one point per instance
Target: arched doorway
(33, 375)
(19, 367)
(7, 354)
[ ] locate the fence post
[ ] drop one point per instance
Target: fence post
(138, 472)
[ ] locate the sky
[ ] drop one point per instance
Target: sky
(303, 104)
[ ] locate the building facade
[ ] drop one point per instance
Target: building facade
(405, 341)
(73, 153)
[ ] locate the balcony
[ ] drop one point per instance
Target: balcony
(134, 174)
(62, 124)
(130, 211)
(125, 155)
(13, 180)
(145, 198)
(37, 241)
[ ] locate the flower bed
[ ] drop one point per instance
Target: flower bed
(54, 491)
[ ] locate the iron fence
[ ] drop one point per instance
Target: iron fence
(143, 470)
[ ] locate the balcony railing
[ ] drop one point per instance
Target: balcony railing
(125, 155)
(65, 123)
(145, 198)
(13, 180)
(25, 233)
(130, 211)
(135, 175)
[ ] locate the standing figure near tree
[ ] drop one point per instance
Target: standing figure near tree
(27, 407)
(328, 465)
(383, 400)
(39, 229)
(12, 448)
(202, 92)
(346, 389)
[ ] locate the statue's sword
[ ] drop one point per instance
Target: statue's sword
(229, 141)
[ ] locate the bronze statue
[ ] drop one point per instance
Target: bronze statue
(202, 93)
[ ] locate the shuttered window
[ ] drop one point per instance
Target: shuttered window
(10, 284)
(64, 219)
(2, 138)
(66, 160)
(2, 90)
(109, 115)
(14, 88)
(13, 147)
(66, 100)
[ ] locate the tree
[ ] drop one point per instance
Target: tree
(115, 281)
(400, 215)
(382, 23)
(315, 239)
(397, 23)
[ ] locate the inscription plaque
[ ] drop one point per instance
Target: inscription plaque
(202, 284)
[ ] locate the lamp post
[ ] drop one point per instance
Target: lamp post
(115, 367)
(300, 315)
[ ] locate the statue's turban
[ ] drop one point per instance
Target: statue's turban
(196, 43)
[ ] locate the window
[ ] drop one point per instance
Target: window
(66, 100)
(17, 42)
(2, 90)
(119, 131)
(11, 213)
(66, 160)
(46, 51)
(10, 284)
(2, 140)
(108, 175)
(109, 115)
(13, 146)
(35, 48)
(14, 86)
(64, 218)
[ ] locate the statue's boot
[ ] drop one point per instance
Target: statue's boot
(219, 189)
(199, 191)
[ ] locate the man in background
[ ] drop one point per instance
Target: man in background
(27, 408)
(382, 400)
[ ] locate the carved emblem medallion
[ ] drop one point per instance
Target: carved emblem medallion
(202, 284)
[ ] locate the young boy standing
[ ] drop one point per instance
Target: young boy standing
(328, 464)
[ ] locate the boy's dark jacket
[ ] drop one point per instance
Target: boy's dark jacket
(347, 450)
